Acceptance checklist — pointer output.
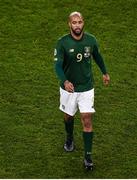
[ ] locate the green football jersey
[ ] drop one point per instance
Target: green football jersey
(73, 61)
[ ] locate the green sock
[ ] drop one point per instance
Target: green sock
(88, 140)
(69, 126)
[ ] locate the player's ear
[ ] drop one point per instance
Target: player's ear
(69, 24)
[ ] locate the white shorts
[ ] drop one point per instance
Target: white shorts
(71, 102)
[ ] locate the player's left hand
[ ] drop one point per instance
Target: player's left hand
(106, 79)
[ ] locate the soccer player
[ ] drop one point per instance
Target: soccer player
(73, 58)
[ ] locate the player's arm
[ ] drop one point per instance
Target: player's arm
(58, 59)
(100, 62)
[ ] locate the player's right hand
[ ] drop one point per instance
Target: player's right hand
(68, 86)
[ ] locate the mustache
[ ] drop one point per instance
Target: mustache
(78, 29)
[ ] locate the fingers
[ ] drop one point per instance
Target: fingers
(106, 79)
(106, 82)
(69, 86)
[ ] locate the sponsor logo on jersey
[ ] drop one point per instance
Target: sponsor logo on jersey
(71, 50)
(87, 51)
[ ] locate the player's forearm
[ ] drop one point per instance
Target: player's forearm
(59, 71)
(100, 63)
(99, 60)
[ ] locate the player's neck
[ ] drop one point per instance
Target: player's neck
(76, 37)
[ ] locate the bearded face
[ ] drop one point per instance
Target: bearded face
(76, 25)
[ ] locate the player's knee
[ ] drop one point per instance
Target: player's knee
(67, 117)
(87, 125)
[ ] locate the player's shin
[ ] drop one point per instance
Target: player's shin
(69, 126)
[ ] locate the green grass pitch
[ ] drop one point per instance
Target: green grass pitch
(31, 126)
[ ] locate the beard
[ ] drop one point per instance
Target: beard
(77, 33)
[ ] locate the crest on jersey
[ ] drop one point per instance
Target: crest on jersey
(87, 51)
(63, 107)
